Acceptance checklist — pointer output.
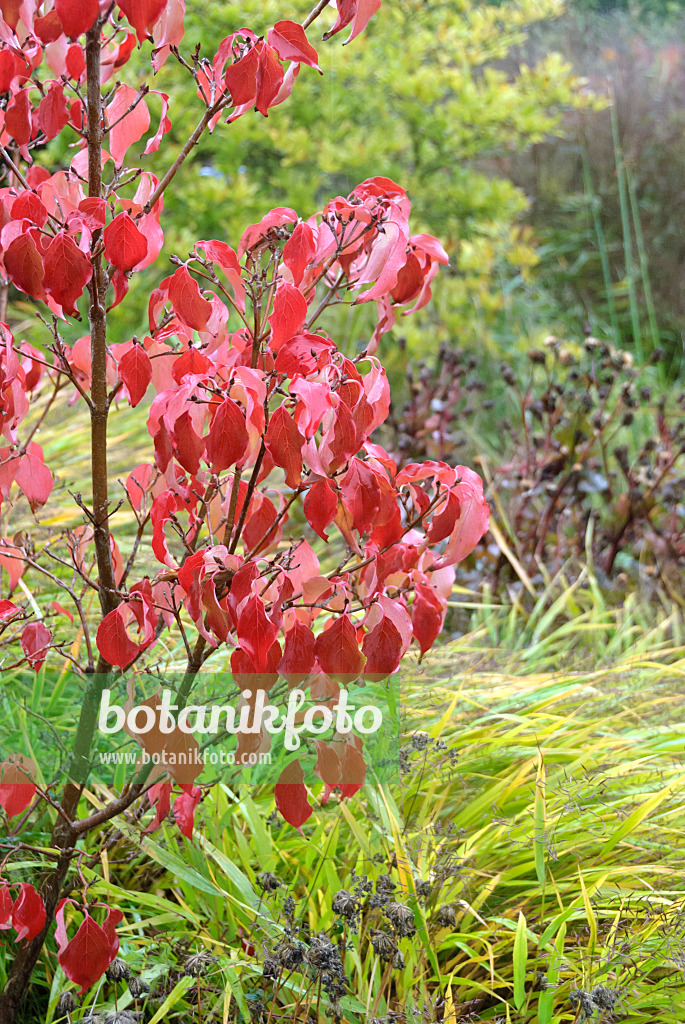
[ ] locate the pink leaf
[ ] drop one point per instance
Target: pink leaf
(34, 478)
(290, 42)
(128, 125)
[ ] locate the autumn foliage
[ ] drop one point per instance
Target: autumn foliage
(251, 410)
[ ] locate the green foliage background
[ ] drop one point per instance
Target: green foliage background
(422, 97)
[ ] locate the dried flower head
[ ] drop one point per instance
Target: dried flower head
(345, 904)
(271, 966)
(446, 915)
(384, 945)
(123, 1017)
(290, 954)
(268, 882)
(66, 1003)
(118, 970)
(137, 987)
(197, 964)
(401, 917)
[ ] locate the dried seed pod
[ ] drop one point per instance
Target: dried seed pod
(267, 881)
(345, 904)
(137, 987)
(384, 945)
(118, 970)
(66, 1004)
(197, 964)
(446, 915)
(401, 917)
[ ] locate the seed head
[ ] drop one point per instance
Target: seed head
(446, 915)
(384, 945)
(197, 964)
(137, 987)
(401, 917)
(345, 904)
(66, 1004)
(290, 954)
(267, 881)
(118, 970)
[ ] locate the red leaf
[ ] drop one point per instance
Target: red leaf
(113, 641)
(227, 438)
(474, 517)
(28, 913)
(77, 16)
(382, 647)
(337, 651)
(93, 212)
(18, 117)
(135, 370)
(241, 78)
(226, 258)
(53, 112)
(7, 610)
(290, 42)
(6, 903)
(289, 313)
(427, 616)
(25, 267)
(34, 477)
(352, 771)
(320, 506)
(48, 28)
(269, 78)
(86, 957)
(17, 788)
(275, 218)
(35, 643)
(67, 272)
(27, 204)
(125, 245)
(142, 14)
(188, 302)
(359, 12)
(74, 62)
(442, 522)
(285, 442)
(298, 251)
(298, 654)
(188, 445)
(11, 11)
(7, 69)
(256, 631)
(291, 795)
(184, 809)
